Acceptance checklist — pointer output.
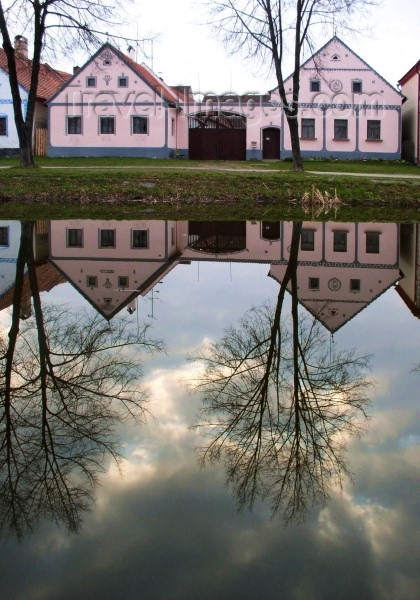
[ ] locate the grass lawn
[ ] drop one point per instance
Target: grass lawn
(349, 166)
(274, 192)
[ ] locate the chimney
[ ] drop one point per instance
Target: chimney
(21, 46)
(75, 69)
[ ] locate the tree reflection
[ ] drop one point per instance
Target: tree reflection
(280, 405)
(66, 380)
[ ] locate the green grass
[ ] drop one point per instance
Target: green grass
(350, 166)
(207, 193)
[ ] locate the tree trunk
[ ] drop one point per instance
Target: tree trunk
(25, 146)
(294, 138)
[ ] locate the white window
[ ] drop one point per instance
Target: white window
(3, 125)
(107, 238)
(140, 125)
(107, 124)
(74, 238)
(4, 237)
(74, 125)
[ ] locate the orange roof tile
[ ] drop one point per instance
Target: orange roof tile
(49, 80)
(157, 84)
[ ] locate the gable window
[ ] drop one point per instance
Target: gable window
(314, 283)
(91, 281)
(140, 124)
(123, 81)
(340, 241)
(122, 282)
(335, 57)
(140, 238)
(315, 85)
(307, 240)
(372, 242)
(107, 124)
(356, 86)
(340, 129)
(3, 125)
(74, 125)
(308, 129)
(4, 237)
(107, 238)
(373, 130)
(355, 285)
(74, 238)
(90, 81)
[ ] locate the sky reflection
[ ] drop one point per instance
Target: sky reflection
(165, 529)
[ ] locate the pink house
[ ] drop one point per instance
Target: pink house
(410, 87)
(113, 106)
(346, 110)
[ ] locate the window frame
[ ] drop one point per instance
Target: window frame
(94, 284)
(74, 119)
(107, 118)
(90, 78)
(6, 128)
(137, 247)
(307, 240)
(79, 229)
(313, 283)
(5, 228)
(339, 125)
(373, 241)
(309, 126)
(314, 85)
(121, 286)
(123, 78)
(355, 285)
(100, 241)
(145, 119)
(340, 245)
(356, 83)
(373, 130)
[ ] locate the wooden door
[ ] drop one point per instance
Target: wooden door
(271, 143)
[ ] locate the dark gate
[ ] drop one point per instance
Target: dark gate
(217, 236)
(271, 143)
(217, 136)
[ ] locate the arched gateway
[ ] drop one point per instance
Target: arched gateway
(217, 135)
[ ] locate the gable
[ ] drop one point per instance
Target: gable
(335, 55)
(5, 91)
(106, 68)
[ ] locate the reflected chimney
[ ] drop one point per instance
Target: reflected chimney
(21, 46)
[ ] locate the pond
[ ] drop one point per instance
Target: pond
(273, 369)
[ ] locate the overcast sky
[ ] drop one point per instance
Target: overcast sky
(187, 52)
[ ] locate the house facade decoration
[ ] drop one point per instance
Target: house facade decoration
(50, 80)
(342, 268)
(113, 106)
(410, 88)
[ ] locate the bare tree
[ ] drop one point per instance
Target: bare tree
(67, 379)
(67, 23)
(268, 30)
(279, 407)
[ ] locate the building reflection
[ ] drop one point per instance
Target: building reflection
(342, 267)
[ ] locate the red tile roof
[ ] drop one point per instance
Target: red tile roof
(49, 80)
(155, 82)
(414, 69)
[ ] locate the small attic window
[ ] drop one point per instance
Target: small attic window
(335, 57)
